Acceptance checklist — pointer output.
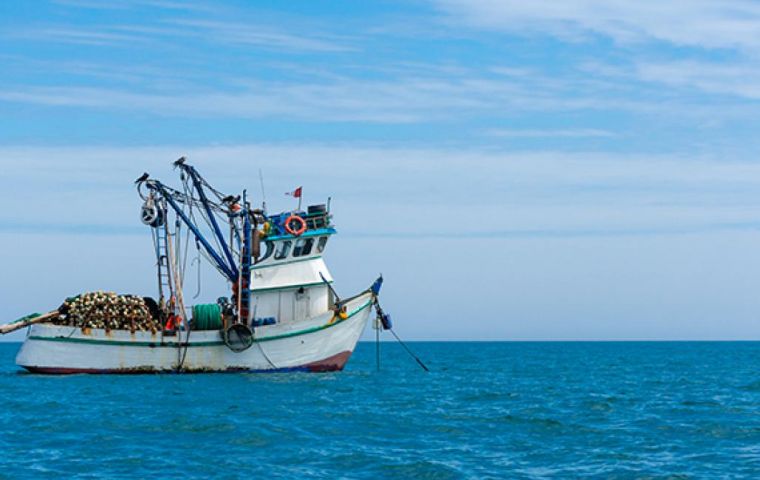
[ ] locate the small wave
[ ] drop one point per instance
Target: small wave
(489, 396)
(700, 403)
(539, 421)
(419, 470)
(752, 387)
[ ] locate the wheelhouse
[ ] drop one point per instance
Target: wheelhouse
(290, 281)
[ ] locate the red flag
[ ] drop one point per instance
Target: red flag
(295, 193)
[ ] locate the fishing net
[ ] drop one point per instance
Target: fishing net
(109, 311)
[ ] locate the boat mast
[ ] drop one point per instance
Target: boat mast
(244, 292)
(238, 274)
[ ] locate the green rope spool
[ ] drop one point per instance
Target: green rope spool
(207, 316)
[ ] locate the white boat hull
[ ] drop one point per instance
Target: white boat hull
(323, 343)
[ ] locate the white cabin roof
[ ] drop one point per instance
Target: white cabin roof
(292, 273)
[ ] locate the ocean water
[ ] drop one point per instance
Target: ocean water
(487, 410)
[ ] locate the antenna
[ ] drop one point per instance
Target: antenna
(263, 194)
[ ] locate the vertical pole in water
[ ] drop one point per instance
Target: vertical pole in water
(377, 344)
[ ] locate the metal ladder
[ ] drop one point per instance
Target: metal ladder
(162, 265)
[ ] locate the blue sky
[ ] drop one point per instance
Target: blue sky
(517, 170)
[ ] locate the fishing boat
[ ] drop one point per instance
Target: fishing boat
(282, 313)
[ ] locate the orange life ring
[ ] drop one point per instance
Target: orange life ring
(296, 232)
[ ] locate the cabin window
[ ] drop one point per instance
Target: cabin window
(268, 252)
(282, 250)
(303, 247)
(321, 244)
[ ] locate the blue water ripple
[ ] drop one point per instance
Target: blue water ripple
(487, 410)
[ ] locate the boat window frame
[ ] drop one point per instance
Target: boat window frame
(282, 251)
(303, 247)
(268, 252)
(322, 243)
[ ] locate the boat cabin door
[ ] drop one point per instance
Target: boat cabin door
(302, 302)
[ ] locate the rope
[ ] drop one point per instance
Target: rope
(266, 357)
(410, 352)
(180, 300)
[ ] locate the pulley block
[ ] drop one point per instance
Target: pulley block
(151, 215)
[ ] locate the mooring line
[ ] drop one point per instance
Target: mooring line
(410, 352)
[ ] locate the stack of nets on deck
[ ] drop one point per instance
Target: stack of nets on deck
(109, 311)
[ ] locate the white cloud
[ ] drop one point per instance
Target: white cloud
(407, 96)
(398, 91)
(737, 78)
(548, 133)
(227, 32)
(732, 25)
(80, 36)
(694, 23)
(129, 4)
(411, 191)
(174, 32)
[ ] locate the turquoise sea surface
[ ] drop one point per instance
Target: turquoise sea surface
(487, 410)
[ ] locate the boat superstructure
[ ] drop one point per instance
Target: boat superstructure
(283, 313)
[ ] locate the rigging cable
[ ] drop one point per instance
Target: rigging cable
(266, 356)
(410, 352)
(197, 259)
